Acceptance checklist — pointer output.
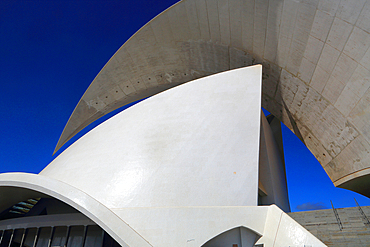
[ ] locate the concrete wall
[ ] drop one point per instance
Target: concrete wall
(272, 177)
(323, 224)
(177, 169)
(316, 69)
(194, 145)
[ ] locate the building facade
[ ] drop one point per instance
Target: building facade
(197, 164)
(191, 166)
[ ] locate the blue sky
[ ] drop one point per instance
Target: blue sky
(50, 51)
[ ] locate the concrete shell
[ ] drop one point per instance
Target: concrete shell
(187, 146)
(178, 169)
(315, 59)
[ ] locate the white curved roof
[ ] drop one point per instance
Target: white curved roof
(316, 69)
(193, 145)
(183, 151)
(177, 169)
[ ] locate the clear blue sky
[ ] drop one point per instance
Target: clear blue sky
(50, 51)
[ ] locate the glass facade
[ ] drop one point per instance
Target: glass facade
(48, 222)
(59, 238)
(77, 236)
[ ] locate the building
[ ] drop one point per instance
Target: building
(346, 227)
(315, 69)
(191, 166)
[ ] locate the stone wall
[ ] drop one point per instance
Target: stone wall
(354, 229)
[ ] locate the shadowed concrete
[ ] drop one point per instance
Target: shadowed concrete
(316, 69)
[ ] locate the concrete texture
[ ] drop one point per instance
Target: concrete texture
(178, 169)
(183, 147)
(272, 178)
(323, 224)
(315, 80)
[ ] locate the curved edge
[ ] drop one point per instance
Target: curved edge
(93, 209)
(256, 234)
(358, 181)
(351, 176)
(64, 139)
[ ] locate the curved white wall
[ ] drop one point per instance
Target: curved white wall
(174, 170)
(316, 61)
(194, 145)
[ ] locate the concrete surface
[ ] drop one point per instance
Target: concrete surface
(272, 176)
(193, 145)
(315, 80)
(178, 169)
(323, 224)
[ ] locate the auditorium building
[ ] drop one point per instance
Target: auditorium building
(197, 163)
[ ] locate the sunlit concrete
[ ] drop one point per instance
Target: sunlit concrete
(165, 226)
(178, 169)
(316, 69)
(25, 185)
(353, 229)
(193, 145)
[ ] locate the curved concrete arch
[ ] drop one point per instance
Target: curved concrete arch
(316, 69)
(40, 185)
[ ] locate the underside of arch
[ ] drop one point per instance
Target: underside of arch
(357, 182)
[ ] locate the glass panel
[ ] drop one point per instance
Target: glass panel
(6, 238)
(109, 241)
(75, 236)
(43, 238)
(17, 238)
(59, 237)
(30, 237)
(93, 237)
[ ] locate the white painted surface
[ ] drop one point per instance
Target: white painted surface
(166, 226)
(191, 226)
(281, 230)
(319, 43)
(194, 145)
(25, 184)
(177, 169)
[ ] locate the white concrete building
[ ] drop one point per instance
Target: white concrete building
(316, 62)
(198, 164)
(187, 167)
